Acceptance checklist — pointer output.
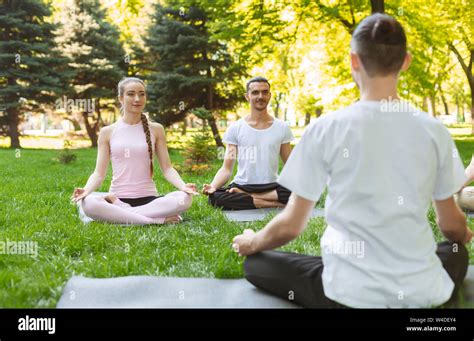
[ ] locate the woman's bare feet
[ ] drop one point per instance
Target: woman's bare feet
(110, 198)
(175, 219)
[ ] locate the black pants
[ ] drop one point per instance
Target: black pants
(242, 201)
(139, 201)
(298, 278)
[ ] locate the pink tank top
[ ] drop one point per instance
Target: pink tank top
(131, 162)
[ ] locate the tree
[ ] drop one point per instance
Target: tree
(97, 57)
(463, 49)
(31, 71)
(185, 68)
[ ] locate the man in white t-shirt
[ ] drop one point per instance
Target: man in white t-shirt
(257, 141)
(382, 163)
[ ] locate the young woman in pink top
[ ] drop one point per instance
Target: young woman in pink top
(130, 144)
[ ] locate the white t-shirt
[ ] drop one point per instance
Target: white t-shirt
(382, 169)
(258, 150)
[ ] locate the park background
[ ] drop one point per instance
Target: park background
(60, 65)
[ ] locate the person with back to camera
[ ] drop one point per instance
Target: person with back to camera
(382, 167)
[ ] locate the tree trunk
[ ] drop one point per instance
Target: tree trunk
(425, 104)
(432, 106)
(443, 99)
(184, 127)
(13, 119)
(215, 131)
(472, 111)
(457, 110)
(212, 119)
(74, 122)
(13, 133)
(377, 6)
(307, 118)
(92, 129)
(277, 101)
(467, 68)
(319, 112)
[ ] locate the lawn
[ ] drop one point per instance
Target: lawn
(34, 206)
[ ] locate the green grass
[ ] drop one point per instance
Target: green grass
(34, 206)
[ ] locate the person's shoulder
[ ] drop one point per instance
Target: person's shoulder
(430, 123)
(344, 113)
(235, 125)
(106, 131)
(280, 123)
(156, 125)
(237, 122)
(156, 128)
(326, 120)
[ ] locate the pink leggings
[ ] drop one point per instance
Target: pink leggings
(154, 212)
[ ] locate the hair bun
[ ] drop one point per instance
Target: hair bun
(383, 33)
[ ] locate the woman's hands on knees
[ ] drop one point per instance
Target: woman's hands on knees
(78, 194)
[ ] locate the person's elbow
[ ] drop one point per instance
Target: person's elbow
(100, 176)
(450, 219)
(166, 170)
(293, 233)
(454, 228)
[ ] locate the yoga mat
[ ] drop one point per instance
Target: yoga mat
(165, 292)
(261, 213)
(171, 292)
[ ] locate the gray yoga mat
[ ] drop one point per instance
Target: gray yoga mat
(261, 213)
(171, 292)
(165, 292)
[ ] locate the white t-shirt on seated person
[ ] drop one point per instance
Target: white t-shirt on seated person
(381, 168)
(258, 150)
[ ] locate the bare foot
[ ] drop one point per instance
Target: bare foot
(259, 203)
(173, 219)
(236, 190)
(470, 171)
(110, 198)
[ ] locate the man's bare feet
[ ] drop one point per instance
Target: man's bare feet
(259, 203)
(237, 190)
(175, 219)
(470, 171)
(110, 198)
